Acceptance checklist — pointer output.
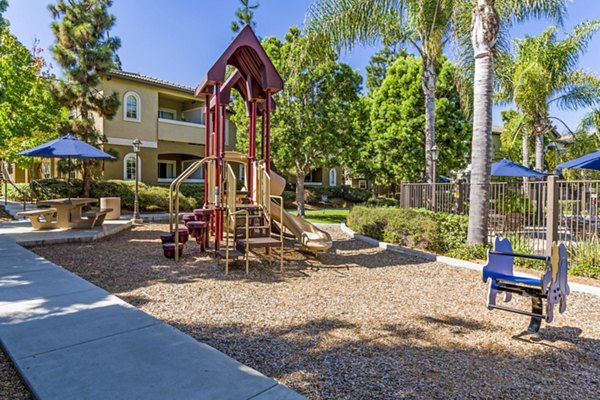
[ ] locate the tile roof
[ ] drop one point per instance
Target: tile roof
(150, 80)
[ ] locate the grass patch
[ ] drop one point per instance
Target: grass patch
(332, 216)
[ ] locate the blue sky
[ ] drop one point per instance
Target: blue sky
(178, 40)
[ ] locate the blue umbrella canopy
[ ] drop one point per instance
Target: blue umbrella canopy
(67, 146)
(506, 167)
(589, 161)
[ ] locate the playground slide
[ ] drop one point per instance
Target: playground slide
(311, 237)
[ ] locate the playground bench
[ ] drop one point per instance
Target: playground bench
(42, 218)
(552, 285)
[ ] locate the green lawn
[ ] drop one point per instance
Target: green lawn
(326, 216)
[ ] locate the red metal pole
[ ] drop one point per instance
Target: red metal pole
(251, 147)
(206, 146)
(217, 213)
(262, 135)
(268, 134)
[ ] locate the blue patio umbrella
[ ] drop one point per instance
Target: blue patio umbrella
(68, 147)
(506, 167)
(589, 161)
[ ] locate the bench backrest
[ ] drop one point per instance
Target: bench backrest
(496, 263)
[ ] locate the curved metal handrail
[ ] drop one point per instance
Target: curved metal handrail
(174, 188)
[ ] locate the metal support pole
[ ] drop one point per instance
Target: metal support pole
(136, 202)
(433, 205)
(251, 147)
(206, 146)
(217, 150)
(268, 134)
(552, 213)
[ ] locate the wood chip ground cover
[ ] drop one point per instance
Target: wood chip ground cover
(356, 323)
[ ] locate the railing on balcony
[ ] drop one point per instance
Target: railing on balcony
(180, 131)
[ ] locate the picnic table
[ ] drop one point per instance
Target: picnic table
(69, 212)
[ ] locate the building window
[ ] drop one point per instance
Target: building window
(166, 170)
(332, 177)
(129, 167)
(132, 107)
(197, 176)
(167, 113)
(362, 184)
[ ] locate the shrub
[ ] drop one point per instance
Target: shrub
(191, 190)
(438, 232)
(382, 202)
(469, 251)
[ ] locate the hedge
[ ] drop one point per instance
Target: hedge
(151, 197)
(417, 228)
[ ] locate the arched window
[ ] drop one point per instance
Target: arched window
(129, 167)
(332, 177)
(132, 107)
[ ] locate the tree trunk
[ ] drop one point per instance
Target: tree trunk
(538, 128)
(87, 178)
(300, 176)
(484, 34)
(428, 84)
(525, 149)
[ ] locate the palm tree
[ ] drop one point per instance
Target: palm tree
(428, 25)
(543, 71)
(490, 21)
(425, 24)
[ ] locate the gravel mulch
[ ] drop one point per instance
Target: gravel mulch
(356, 323)
(11, 387)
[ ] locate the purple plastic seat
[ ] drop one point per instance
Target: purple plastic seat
(169, 249)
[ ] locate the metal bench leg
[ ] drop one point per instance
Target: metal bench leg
(537, 307)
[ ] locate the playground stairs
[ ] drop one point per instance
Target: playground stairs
(259, 232)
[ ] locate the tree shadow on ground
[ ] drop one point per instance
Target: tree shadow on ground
(403, 361)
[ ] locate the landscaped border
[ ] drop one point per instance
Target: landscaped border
(448, 260)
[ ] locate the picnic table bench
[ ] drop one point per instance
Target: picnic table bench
(42, 218)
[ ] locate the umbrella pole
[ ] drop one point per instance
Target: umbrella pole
(69, 177)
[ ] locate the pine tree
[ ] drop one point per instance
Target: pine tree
(3, 6)
(85, 51)
(244, 15)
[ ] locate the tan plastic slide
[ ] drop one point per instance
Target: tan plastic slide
(311, 237)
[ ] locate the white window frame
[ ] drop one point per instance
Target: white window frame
(139, 107)
(360, 184)
(203, 113)
(174, 164)
(139, 172)
(169, 110)
(333, 172)
(184, 167)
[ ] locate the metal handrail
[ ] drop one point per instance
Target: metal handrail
(174, 187)
(231, 215)
(280, 198)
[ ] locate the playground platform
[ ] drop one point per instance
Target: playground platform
(70, 339)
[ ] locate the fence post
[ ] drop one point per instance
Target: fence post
(552, 213)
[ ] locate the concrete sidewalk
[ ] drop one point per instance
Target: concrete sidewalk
(71, 340)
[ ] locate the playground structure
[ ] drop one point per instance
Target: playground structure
(551, 286)
(239, 220)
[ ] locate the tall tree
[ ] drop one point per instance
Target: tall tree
(3, 6)
(543, 71)
(244, 15)
(85, 51)
(397, 129)
(484, 24)
(425, 24)
(379, 64)
(317, 116)
(29, 114)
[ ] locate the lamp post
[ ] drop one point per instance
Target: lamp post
(137, 145)
(435, 153)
